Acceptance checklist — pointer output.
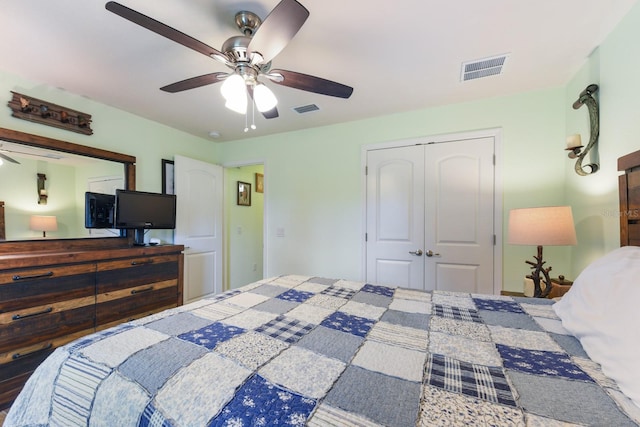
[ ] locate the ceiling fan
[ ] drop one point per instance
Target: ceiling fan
(5, 157)
(248, 56)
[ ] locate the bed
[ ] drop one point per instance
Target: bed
(301, 350)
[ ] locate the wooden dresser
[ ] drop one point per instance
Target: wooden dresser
(51, 297)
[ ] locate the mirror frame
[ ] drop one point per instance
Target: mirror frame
(129, 164)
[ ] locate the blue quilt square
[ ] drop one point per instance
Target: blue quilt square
(538, 362)
(151, 417)
(378, 290)
(261, 403)
(348, 323)
(498, 305)
(211, 335)
(295, 296)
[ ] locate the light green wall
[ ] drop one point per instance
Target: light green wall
(244, 229)
(316, 180)
(113, 130)
(614, 67)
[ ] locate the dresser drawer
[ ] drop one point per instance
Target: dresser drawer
(24, 288)
(127, 289)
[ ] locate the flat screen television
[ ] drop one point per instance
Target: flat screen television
(140, 211)
(99, 210)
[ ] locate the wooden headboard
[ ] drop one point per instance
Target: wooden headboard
(629, 188)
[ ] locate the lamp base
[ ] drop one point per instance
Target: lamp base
(538, 270)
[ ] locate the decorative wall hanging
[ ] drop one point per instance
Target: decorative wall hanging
(42, 191)
(574, 144)
(35, 110)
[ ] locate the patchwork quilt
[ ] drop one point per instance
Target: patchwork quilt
(293, 351)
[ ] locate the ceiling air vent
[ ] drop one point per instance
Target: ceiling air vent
(483, 68)
(306, 108)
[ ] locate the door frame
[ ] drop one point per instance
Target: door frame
(496, 133)
(228, 198)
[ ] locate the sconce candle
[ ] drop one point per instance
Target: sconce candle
(574, 141)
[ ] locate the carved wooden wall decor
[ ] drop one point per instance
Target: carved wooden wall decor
(35, 110)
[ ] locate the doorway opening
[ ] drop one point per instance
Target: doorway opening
(244, 224)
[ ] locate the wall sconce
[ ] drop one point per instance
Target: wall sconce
(42, 192)
(43, 223)
(574, 142)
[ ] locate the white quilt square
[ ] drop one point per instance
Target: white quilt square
(205, 400)
(246, 299)
(315, 288)
(113, 350)
(401, 336)
(464, 349)
(391, 360)
(310, 313)
(412, 294)
(290, 281)
(348, 284)
(303, 371)
(531, 340)
(326, 301)
(217, 311)
(453, 301)
(363, 310)
(250, 318)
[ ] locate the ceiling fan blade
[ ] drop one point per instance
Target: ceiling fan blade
(160, 28)
(194, 82)
(278, 28)
(310, 83)
(271, 114)
(9, 159)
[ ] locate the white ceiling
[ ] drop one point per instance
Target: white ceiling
(398, 56)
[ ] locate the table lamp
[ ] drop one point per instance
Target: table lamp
(542, 226)
(43, 223)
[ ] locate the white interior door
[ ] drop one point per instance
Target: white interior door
(395, 216)
(199, 192)
(430, 216)
(459, 214)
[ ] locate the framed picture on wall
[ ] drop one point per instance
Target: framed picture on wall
(167, 176)
(259, 183)
(244, 193)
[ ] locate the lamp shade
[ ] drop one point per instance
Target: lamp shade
(43, 223)
(265, 99)
(542, 226)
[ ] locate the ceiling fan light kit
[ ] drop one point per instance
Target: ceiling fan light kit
(248, 56)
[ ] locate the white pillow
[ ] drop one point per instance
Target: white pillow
(602, 310)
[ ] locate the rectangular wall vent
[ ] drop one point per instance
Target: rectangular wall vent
(483, 68)
(306, 108)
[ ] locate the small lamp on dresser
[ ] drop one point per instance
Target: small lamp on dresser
(542, 226)
(43, 223)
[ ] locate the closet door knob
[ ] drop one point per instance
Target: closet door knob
(416, 253)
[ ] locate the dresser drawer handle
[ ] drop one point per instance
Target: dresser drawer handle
(35, 276)
(139, 291)
(20, 316)
(17, 356)
(149, 261)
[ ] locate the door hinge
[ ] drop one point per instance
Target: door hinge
(494, 240)
(366, 170)
(494, 160)
(366, 237)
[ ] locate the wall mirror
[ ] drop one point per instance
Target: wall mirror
(69, 170)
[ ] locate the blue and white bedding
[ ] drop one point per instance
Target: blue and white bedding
(293, 350)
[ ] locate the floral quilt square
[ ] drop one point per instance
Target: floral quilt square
(295, 296)
(211, 335)
(498, 305)
(349, 323)
(261, 403)
(537, 362)
(378, 290)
